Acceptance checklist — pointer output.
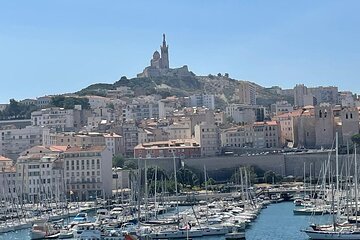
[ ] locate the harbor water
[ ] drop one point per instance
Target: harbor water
(277, 221)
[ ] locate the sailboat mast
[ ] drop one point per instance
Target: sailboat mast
(356, 186)
(337, 162)
(155, 191)
(206, 193)
(146, 190)
(176, 190)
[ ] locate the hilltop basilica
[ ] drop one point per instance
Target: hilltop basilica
(159, 65)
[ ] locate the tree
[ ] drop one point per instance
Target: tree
(186, 176)
(130, 164)
(272, 177)
(118, 161)
(251, 171)
(356, 138)
(110, 105)
(69, 102)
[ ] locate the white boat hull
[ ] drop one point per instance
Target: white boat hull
(330, 235)
(37, 235)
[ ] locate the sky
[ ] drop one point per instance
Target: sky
(60, 46)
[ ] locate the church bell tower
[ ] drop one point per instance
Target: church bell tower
(164, 54)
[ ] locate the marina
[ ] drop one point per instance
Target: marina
(277, 221)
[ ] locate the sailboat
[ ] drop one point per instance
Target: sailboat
(337, 230)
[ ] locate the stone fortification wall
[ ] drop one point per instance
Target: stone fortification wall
(283, 164)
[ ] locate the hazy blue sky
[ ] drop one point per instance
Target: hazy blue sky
(49, 47)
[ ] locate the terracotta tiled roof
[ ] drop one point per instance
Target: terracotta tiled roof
(2, 158)
(85, 149)
(58, 148)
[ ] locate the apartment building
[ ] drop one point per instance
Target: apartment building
(7, 179)
(56, 118)
(203, 100)
(115, 144)
(269, 131)
(208, 136)
(179, 131)
(81, 139)
(130, 132)
(40, 174)
(238, 137)
(245, 93)
(88, 172)
(14, 140)
(281, 107)
(182, 148)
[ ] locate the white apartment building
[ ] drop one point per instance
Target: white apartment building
(203, 100)
(245, 93)
(238, 137)
(56, 118)
(242, 114)
(179, 131)
(43, 101)
(167, 106)
(130, 135)
(88, 172)
(114, 143)
(3, 106)
(28, 101)
(119, 92)
(140, 111)
(14, 140)
(98, 101)
(40, 175)
(281, 107)
(7, 179)
(346, 99)
(81, 139)
(208, 136)
(269, 131)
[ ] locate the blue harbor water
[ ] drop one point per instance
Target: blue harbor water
(277, 221)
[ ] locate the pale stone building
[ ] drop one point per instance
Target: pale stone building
(115, 144)
(314, 96)
(44, 101)
(203, 100)
(179, 148)
(119, 92)
(28, 101)
(179, 131)
(59, 119)
(88, 173)
(347, 123)
(208, 136)
(238, 137)
(245, 93)
(281, 107)
(14, 140)
(300, 90)
(3, 106)
(270, 131)
(167, 106)
(129, 131)
(346, 99)
(160, 66)
(80, 139)
(304, 128)
(241, 114)
(7, 180)
(40, 174)
(324, 125)
(140, 110)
